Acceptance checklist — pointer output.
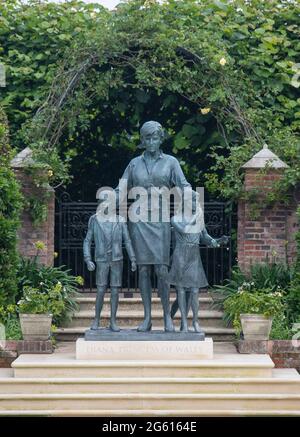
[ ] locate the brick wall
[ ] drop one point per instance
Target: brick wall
(28, 233)
(272, 233)
(284, 353)
(13, 348)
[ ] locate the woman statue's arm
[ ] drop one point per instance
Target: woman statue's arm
(178, 178)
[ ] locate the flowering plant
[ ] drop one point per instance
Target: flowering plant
(36, 302)
(249, 300)
(50, 281)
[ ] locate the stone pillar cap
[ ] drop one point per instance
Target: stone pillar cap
(22, 159)
(265, 158)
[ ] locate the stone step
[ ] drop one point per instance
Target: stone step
(147, 413)
(134, 318)
(217, 333)
(279, 383)
(134, 303)
(65, 365)
(150, 402)
(135, 293)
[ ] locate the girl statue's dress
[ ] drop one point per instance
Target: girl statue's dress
(187, 273)
(187, 269)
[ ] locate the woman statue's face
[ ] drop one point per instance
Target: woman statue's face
(152, 141)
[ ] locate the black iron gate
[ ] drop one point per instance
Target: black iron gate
(71, 226)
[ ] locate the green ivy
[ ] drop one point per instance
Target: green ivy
(10, 207)
(226, 70)
(293, 297)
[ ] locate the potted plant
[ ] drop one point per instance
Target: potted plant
(56, 282)
(252, 311)
(36, 310)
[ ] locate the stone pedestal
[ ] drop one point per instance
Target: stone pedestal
(104, 334)
(144, 350)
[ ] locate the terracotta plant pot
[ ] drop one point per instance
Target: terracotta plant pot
(36, 326)
(256, 326)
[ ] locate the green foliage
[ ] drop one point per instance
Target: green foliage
(9, 318)
(251, 301)
(281, 329)
(270, 275)
(13, 329)
(293, 297)
(35, 302)
(266, 275)
(34, 37)
(56, 287)
(155, 60)
(293, 300)
(266, 278)
(6, 312)
(10, 207)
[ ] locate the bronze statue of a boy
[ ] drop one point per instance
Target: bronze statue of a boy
(108, 232)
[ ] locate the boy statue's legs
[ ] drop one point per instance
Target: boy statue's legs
(116, 269)
(114, 301)
(99, 304)
(102, 270)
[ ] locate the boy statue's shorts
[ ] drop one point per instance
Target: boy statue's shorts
(115, 268)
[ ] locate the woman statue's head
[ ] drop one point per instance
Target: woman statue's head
(152, 135)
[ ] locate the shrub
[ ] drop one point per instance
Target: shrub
(35, 302)
(261, 276)
(9, 318)
(48, 284)
(293, 296)
(281, 329)
(13, 329)
(10, 207)
(251, 301)
(265, 278)
(271, 276)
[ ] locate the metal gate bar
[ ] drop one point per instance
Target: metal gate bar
(71, 226)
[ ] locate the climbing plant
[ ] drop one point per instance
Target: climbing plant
(229, 68)
(10, 206)
(293, 298)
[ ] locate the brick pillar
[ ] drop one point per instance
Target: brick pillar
(271, 234)
(29, 233)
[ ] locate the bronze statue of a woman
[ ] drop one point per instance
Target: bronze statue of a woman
(151, 240)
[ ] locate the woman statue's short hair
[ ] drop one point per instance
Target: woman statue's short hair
(149, 127)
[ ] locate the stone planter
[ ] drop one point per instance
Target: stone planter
(36, 326)
(256, 326)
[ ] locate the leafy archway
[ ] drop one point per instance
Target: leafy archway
(175, 50)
